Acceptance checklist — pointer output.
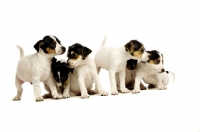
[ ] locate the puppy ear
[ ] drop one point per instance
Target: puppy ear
(162, 59)
(54, 60)
(37, 45)
(85, 52)
(71, 70)
(129, 47)
(131, 64)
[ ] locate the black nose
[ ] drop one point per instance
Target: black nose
(163, 70)
(63, 49)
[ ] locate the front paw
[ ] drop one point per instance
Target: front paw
(103, 93)
(162, 88)
(66, 96)
(124, 90)
(84, 96)
(57, 96)
(114, 92)
(39, 98)
(136, 90)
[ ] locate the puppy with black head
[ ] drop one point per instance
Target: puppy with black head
(152, 72)
(114, 59)
(61, 74)
(36, 68)
(131, 65)
(85, 72)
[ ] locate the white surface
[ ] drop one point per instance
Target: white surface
(173, 28)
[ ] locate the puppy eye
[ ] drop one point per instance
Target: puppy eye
(53, 45)
(142, 50)
(157, 61)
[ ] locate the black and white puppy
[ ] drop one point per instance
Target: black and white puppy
(61, 74)
(152, 72)
(85, 72)
(36, 68)
(131, 65)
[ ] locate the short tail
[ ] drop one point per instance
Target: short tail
(21, 51)
(104, 41)
(172, 73)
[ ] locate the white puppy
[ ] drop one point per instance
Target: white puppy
(113, 59)
(36, 68)
(152, 72)
(85, 72)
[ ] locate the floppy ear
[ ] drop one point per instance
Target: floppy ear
(71, 70)
(85, 52)
(131, 64)
(129, 47)
(37, 45)
(162, 59)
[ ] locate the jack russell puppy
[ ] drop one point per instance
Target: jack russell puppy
(114, 59)
(36, 68)
(152, 72)
(85, 72)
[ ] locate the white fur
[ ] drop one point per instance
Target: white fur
(35, 68)
(151, 75)
(114, 59)
(84, 74)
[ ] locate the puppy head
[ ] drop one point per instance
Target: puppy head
(137, 50)
(61, 72)
(76, 54)
(50, 45)
(131, 64)
(156, 60)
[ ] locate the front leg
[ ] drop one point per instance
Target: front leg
(51, 84)
(66, 89)
(122, 87)
(113, 84)
(37, 89)
(159, 82)
(137, 84)
(81, 81)
(98, 85)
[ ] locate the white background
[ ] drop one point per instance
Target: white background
(171, 27)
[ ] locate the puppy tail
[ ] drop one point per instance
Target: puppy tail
(172, 73)
(21, 51)
(104, 41)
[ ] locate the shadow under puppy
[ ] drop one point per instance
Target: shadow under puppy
(36, 68)
(152, 72)
(131, 65)
(61, 74)
(85, 72)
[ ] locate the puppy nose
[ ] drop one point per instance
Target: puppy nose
(63, 49)
(163, 70)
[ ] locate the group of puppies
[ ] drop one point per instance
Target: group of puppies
(127, 65)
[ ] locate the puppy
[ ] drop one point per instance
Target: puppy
(61, 74)
(85, 72)
(113, 59)
(131, 65)
(36, 68)
(152, 72)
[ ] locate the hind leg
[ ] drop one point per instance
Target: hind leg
(18, 84)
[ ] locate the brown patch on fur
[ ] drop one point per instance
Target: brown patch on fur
(50, 51)
(156, 61)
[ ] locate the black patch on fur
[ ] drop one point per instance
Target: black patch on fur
(58, 66)
(154, 55)
(131, 64)
(79, 50)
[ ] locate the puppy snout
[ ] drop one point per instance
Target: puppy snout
(145, 56)
(163, 70)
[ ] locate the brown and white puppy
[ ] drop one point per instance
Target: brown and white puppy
(85, 72)
(114, 59)
(36, 68)
(152, 72)
(131, 65)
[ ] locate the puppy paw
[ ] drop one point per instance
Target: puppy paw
(57, 96)
(137, 90)
(114, 92)
(39, 98)
(124, 90)
(103, 93)
(84, 96)
(162, 88)
(16, 98)
(92, 92)
(66, 96)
